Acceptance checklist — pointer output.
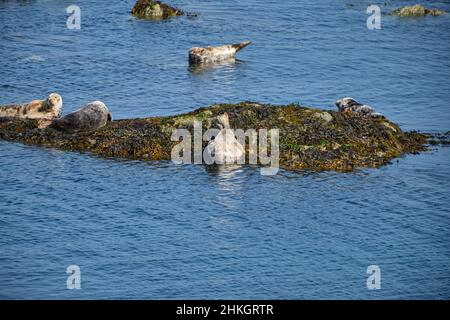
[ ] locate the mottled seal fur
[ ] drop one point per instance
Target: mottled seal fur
(93, 116)
(215, 54)
(351, 105)
(47, 109)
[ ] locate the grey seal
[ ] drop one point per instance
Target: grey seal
(92, 116)
(225, 148)
(348, 104)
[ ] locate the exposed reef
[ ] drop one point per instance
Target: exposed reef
(309, 138)
(151, 9)
(416, 11)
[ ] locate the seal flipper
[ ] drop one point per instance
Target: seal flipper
(240, 46)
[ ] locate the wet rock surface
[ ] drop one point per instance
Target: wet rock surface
(416, 11)
(309, 138)
(150, 9)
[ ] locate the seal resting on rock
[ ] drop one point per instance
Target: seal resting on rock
(215, 54)
(93, 116)
(351, 105)
(225, 148)
(47, 109)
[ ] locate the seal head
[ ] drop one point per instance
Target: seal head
(54, 104)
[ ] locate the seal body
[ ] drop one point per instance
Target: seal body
(47, 109)
(351, 105)
(215, 54)
(93, 116)
(225, 148)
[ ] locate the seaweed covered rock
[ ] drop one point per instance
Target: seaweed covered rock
(416, 11)
(151, 9)
(308, 138)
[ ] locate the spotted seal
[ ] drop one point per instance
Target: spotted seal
(215, 54)
(47, 109)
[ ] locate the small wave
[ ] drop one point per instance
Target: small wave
(34, 58)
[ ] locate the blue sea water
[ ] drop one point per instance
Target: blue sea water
(155, 230)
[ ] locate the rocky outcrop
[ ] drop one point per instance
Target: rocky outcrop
(150, 9)
(308, 138)
(416, 11)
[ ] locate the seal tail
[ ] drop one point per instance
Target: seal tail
(240, 46)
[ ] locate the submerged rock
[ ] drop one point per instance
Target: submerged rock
(151, 9)
(440, 139)
(416, 11)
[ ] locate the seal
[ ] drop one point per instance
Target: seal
(225, 148)
(47, 109)
(348, 104)
(92, 116)
(215, 54)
